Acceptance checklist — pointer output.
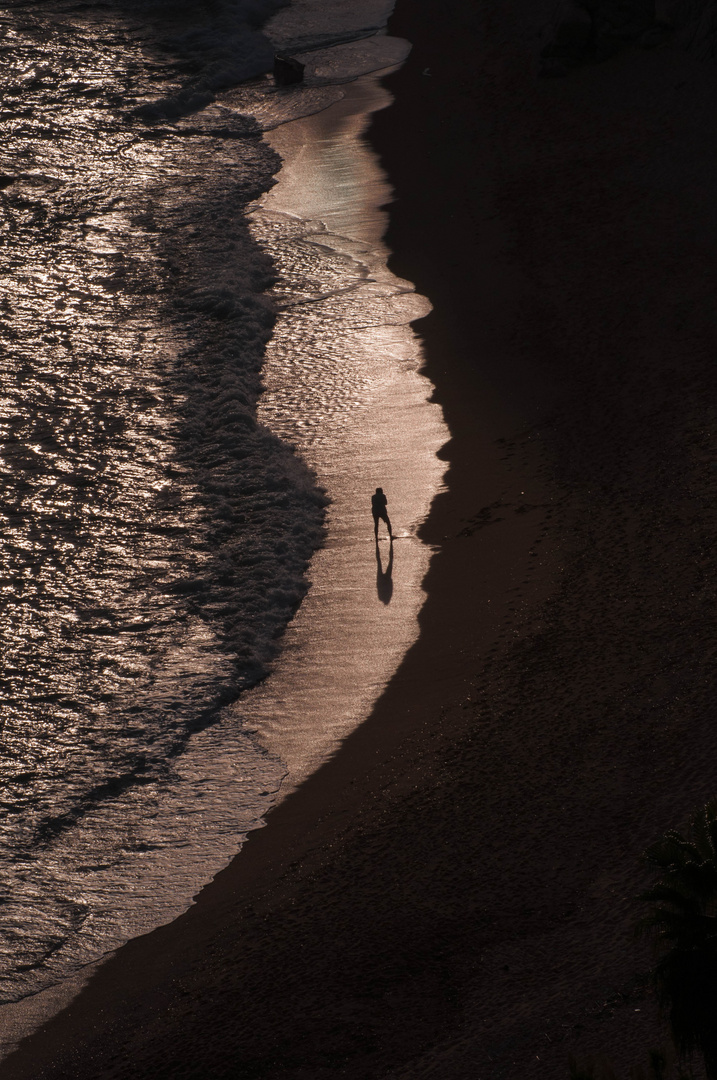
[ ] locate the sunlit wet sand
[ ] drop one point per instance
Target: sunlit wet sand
(357, 411)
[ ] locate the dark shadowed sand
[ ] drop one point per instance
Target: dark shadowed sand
(452, 895)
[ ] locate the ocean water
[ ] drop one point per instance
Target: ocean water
(155, 535)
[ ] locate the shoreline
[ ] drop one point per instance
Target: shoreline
(365, 767)
(357, 412)
(452, 894)
(309, 704)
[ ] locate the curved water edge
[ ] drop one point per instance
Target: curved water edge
(342, 387)
(155, 537)
(356, 408)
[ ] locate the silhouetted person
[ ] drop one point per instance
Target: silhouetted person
(384, 580)
(378, 509)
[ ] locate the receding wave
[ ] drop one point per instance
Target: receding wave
(155, 536)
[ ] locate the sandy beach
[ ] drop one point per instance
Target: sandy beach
(453, 895)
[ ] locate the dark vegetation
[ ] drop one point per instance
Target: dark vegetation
(681, 917)
(589, 31)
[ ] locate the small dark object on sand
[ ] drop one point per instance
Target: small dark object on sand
(287, 70)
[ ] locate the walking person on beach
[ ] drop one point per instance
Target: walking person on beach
(378, 509)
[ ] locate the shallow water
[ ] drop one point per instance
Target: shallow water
(357, 409)
(156, 536)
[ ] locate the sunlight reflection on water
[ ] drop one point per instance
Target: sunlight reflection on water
(342, 384)
(153, 537)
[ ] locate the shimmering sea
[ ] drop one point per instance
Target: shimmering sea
(155, 532)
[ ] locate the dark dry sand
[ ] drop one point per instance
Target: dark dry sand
(452, 896)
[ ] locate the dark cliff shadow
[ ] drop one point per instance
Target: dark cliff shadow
(384, 579)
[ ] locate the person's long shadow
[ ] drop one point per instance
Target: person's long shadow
(384, 580)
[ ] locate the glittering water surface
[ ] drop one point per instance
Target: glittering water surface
(343, 385)
(154, 536)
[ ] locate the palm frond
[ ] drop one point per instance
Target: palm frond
(682, 917)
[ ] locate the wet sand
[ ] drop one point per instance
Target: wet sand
(452, 895)
(354, 406)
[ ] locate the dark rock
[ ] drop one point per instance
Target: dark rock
(587, 31)
(287, 70)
